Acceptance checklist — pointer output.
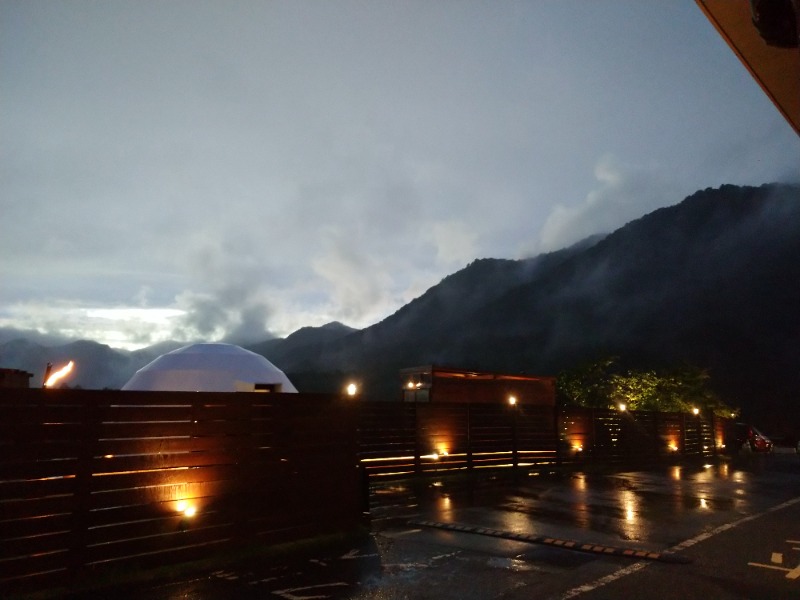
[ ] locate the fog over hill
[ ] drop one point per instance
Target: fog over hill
(711, 281)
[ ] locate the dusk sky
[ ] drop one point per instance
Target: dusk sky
(209, 170)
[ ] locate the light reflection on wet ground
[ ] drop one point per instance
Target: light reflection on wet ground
(629, 506)
(643, 509)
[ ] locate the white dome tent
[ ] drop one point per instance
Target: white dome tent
(210, 368)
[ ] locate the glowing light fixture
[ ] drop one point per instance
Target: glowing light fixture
(60, 374)
(182, 506)
(351, 389)
(512, 400)
(622, 407)
(696, 411)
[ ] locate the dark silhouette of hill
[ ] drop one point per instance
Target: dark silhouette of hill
(712, 281)
(97, 366)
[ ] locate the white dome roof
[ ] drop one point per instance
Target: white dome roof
(210, 368)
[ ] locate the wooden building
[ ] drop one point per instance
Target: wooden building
(436, 384)
(14, 378)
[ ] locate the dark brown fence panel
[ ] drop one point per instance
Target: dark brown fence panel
(537, 440)
(609, 444)
(641, 440)
(636, 437)
(575, 434)
(492, 435)
(98, 480)
(443, 436)
(387, 438)
(670, 428)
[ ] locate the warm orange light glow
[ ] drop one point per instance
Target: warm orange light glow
(188, 510)
(673, 446)
(351, 389)
(622, 407)
(696, 411)
(61, 373)
(512, 400)
(410, 385)
(577, 447)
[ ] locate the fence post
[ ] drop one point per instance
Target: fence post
(683, 434)
(657, 442)
(469, 435)
(557, 425)
(713, 434)
(417, 445)
(89, 430)
(241, 411)
(514, 443)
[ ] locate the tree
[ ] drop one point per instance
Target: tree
(589, 385)
(604, 384)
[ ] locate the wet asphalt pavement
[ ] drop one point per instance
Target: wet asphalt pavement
(734, 525)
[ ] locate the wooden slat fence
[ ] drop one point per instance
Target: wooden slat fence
(92, 481)
(616, 437)
(399, 439)
(96, 480)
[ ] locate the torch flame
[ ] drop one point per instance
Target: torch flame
(62, 372)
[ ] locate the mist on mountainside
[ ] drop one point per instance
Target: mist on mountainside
(710, 282)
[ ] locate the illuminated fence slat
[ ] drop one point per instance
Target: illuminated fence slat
(99, 480)
(94, 480)
(630, 437)
(387, 438)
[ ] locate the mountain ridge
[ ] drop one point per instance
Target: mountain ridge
(710, 281)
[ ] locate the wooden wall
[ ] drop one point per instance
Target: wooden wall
(91, 480)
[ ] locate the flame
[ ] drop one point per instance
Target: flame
(62, 372)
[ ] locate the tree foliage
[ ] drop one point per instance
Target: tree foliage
(605, 384)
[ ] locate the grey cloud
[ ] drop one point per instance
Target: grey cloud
(261, 163)
(623, 194)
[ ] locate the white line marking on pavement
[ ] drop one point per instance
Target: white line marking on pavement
(763, 566)
(289, 593)
(794, 573)
(588, 587)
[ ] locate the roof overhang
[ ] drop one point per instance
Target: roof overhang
(775, 68)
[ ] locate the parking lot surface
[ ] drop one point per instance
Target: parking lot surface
(726, 528)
